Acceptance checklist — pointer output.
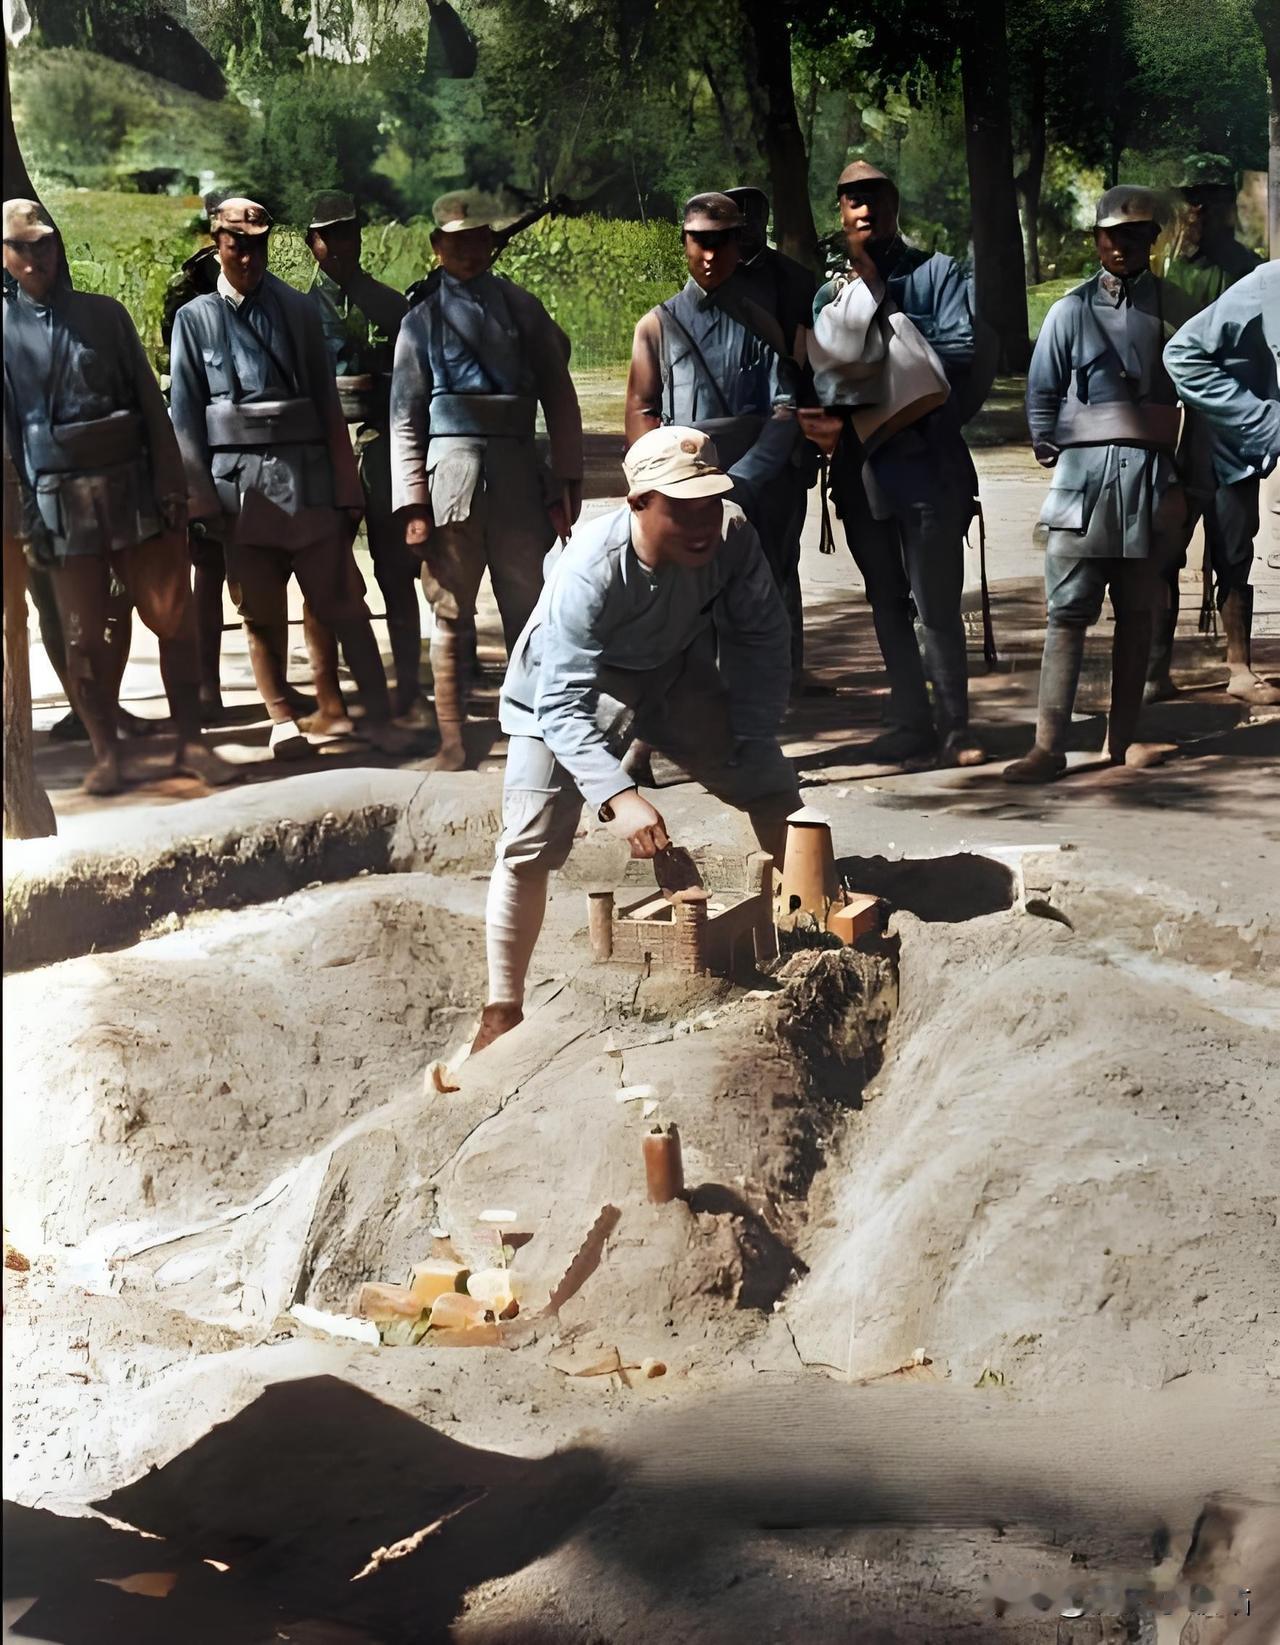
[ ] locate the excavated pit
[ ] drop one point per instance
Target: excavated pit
(927, 1159)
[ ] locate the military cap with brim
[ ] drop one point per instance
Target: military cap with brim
(711, 214)
(1128, 203)
(466, 209)
(332, 207)
(240, 215)
(27, 221)
(678, 462)
(748, 196)
(1210, 172)
(862, 171)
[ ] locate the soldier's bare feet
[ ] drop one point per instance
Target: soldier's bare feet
(321, 724)
(193, 759)
(415, 716)
(1041, 765)
(1141, 756)
(104, 776)
(452, 756)
(495, 1020)
(1248, 687)
(385, 737)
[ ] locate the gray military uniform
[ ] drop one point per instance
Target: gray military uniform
(473, 361)
(1098, 393)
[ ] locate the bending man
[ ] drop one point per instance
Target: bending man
(660, 620)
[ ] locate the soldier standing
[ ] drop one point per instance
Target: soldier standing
(102, 489)
(1224, 365)
(1208, 260)
(270, 469)
(906, 505)
(475, 358)
(361, 318)
(1103, 414)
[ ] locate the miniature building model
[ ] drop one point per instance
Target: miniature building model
(695, 931)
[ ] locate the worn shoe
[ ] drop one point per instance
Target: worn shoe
(287, 742)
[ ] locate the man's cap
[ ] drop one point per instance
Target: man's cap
(1128, 203)
(862, 171)
(240, 215)
(330, 207)
(1207, 171)
(26, 220)
(466, 209)
(679, 462)
(712, 213)
(748, 198)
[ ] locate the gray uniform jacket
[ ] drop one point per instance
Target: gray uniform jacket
(482, 346)
(74, 362)
(1226, 365)
(282, 493)
(601, 610)
(1096, 377)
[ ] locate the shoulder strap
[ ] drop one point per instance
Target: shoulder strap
(665, 308)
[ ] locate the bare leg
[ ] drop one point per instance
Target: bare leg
(82, 589)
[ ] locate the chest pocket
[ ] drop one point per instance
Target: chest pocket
(215, 371)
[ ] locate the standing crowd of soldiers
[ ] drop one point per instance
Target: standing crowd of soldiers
(673, 623)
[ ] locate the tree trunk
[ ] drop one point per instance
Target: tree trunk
(999, 276)
(729, 127)
(1031, 178)
(1269, 25)
(793, 224)
(27, 812)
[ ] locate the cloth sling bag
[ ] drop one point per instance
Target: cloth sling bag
(495, 412)
(240, 424)
(732, 434)
(51, 447)
(875, 361)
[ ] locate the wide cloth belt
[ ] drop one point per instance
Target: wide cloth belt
(61, 448)
(733, 437)
(235, 425)
(366, 398)
(488, 416)
(1117, 422)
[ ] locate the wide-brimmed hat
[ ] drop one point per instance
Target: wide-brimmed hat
(1128, 203)
(26, 221)
(679, 462)
(239, 215)
(712, 213)
(330, 207)
(466, 209)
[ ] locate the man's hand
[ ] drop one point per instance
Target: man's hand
(417, 527)
(821, 427)
(636, 821)
(564, 511)
(1046, 454)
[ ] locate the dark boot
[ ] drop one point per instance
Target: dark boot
(948, 666)
(909, 709)
(1059, 677)
(207, 592)
(365, 662)
(1237, 622)
(1160, 686)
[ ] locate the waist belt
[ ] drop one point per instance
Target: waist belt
(366, 398)
(234, 425)
(489, 416)
(733, 436)
(1117, 422)
(59, 448)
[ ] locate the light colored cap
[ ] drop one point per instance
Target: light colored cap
(239, 215)
(862, 171)
(464, 209)
(679, 462)
(1128, 203)
(711, 214)
(26, 220)
(333, 206)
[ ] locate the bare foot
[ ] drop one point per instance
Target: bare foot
(1141, 756)
(321, 724)
(1041, 765)
(104, 776)
(287, 742)
(416, 716)
(385, 737)
(495, 1020)
(452, 756)
(962, 748)
(1248, 687)
(193, 759)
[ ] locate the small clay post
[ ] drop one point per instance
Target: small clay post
(600, 923)
(765, 932)
(663, 1165)
(691, 931)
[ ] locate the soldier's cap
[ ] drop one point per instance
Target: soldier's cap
(1209, 172)
(330, 207)
(679, 462)
(240, 215)
(712, 213)
(748, 199)
(862, 171)
(1128, 203)
(466, 209)
(26, 220)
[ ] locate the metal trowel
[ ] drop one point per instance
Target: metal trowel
(675, 871)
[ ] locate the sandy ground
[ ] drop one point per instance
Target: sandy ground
(970, 1307)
